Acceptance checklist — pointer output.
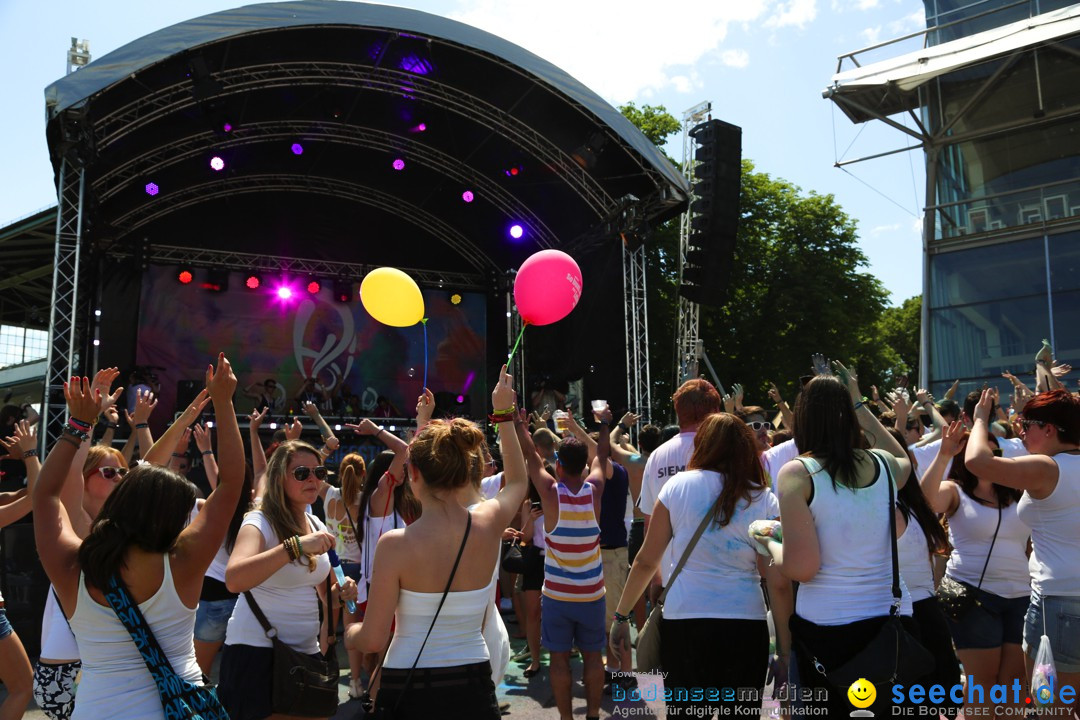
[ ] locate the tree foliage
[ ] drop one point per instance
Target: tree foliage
(799, 285)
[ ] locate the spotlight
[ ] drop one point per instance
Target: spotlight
(516, 231)
(273, 426)
(313, 287)
(513, 171)
(227, 127)
(468, 196)
(455, 299)
(217, 163)
(209, 424)
(151, 189)
(96, 342)
(284, 292)
(460, 399)
(252, 281)
(297, 149)
(337, 428)
(399, 164)
(185, 277)
(343, 290)
(422, 127)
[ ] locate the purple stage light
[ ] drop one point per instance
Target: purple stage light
(399, 164)
(422, 127)
(217, 163)
(416, 65)
(297, 149)
(468, 196)
(284, 292)
(151, 189)
(516, 231)
(227, 128)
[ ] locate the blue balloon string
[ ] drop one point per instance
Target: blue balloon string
(425, 354)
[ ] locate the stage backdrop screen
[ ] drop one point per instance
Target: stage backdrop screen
(181, 326)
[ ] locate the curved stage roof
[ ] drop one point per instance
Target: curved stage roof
(357, 88)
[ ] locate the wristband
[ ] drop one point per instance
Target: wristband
(860, 404)
(299, 546)
(510, 411)
(111, 426)
(623, 427)
(619, 618)
(30, 453)
(81, 424)
(207, 452)
(496, 418)
(140, 426)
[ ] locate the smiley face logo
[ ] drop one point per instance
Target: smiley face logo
(862, 693)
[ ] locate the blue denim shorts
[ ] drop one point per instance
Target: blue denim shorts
(5, 626)
(565, 624)
(991, 624)
(212, 618)
(1062, 628)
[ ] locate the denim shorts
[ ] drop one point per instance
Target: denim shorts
(564, 624)
(212, 618)
(992, 623)
(1062, 627)
(5, 626)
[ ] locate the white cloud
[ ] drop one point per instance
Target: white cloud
(866, 4)
(885, 229)
(795, 13)
(909, 23)
(871, 35)
(614, 51)
(735, 58)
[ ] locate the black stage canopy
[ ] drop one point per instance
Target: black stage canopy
(311, 106)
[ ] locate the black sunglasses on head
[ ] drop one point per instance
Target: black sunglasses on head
(302, 472)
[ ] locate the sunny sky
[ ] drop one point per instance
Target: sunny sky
(762, 63)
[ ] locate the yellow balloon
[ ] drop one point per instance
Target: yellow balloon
(392, 297)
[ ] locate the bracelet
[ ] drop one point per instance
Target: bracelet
(299, 546)
(81, 424)
(623, 427)
(510, 411)
(496, 418)
(140, 426)
(289, 548)
(619, 618)
(207, 452)
(860, 404)
(70, 439)
(111, 426)
(30, 453)
(76, 432)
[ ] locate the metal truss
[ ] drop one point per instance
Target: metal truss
(62, 360)
(638, 385)
(153, 162)
(688, 344)
(178, 97)
(250, 262)
(366, 195)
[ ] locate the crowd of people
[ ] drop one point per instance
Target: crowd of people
(729, 551)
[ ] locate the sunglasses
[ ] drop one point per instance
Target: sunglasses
(302, 472)
(111, 473)
(1025, 423)
(758, 425)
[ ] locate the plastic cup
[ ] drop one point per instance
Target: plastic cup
(560, 419)
(599, 405)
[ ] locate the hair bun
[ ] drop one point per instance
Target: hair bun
(465, 435)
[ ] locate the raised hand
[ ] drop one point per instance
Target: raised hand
(604, 416)
(365, 427)
(202, 438)
(332, 443)
(850, 379)
(255, 419)
(83, 400)
(294, 429)
(220, 381)
(923, 396)
(145, 402)
(986, 401)
(184, 442)
(103, 380)
(738, 391)
(25, 436)
(874, 394)
(774, 393)
(111, 414)
(1060, 370)
(729, 403)
(191, 412)
(503, 396)
(310, 409)
(629, 420)
(821, 364)
(952, 439)
(425, 408)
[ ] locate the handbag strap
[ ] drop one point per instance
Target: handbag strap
(689, 548)
(988, 552)
(896, 593)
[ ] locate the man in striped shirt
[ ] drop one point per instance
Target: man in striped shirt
(572, 609)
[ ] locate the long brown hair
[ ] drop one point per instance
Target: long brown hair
(725, 444)
(968, 481)
(912, 502)
(275, 503)
(827, 429)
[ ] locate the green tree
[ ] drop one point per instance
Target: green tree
(654, 121)
(899, 329)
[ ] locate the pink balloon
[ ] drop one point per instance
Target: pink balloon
(547, 288)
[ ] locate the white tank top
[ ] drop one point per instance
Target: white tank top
(914, 555)
(854, 581)
(971, 530)
(57, 641)
(1055, 532)
(115, 682)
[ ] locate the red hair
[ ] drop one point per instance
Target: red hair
(1058, 408)
(695, 400)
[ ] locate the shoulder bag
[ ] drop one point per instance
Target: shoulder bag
(957, 597)
(179, 698)
(387, 713)
(302, 685)
(648, 640)
(893, 655)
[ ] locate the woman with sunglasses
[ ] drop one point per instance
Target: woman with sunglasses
(140, 539)
(988, 560)
(1050, 480)
(447, 543)
(280, 557)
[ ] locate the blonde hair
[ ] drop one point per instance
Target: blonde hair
(448, 453)
(98, 453)
(275, 503)
(352, 469)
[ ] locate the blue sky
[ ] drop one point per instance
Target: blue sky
(762, 63)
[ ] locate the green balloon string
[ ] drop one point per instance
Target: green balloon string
(510, 357)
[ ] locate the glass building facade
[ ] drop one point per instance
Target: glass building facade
(1003, 257)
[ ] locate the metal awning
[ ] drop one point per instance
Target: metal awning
(890, 86)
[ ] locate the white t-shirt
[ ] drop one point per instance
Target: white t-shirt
(346, 546)
(775, 458)
(1055, 532)
(490, 486)
(720, 578)
(924, 455)
(663, 464)
(288, 598)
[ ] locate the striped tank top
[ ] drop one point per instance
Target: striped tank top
(573, 570)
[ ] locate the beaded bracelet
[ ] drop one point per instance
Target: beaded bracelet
(620, 618)
(70, 440)
(207, 452)
(30, 453)
(140, 426)
(76, 432)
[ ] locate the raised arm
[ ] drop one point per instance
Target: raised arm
(145, 402)
(875, 432)
(785, 411)
(395, 473)
(515, 473)
(574, 428)
(330, 441)
(21, 446)
(258, 452)
(160, 452)
(1038, 474)
(425, 408)
(206, 450)
(922, 397)
(601, 468)
(942, 496)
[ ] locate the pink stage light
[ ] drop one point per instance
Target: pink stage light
(399, 164)
(217, 163)
(468, 196)
(284, 292)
